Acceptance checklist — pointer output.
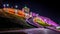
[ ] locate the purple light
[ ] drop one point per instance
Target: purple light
(47, 20)
(33, 14)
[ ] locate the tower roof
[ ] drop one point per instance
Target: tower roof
(25, 6)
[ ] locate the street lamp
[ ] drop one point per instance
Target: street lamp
(7, 5)
(4, 5)
(16, 6)
(16, 9)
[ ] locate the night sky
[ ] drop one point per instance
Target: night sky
(48, 9)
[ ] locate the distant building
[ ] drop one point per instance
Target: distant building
(26, 9)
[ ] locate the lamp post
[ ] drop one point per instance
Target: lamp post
(16, 9)
(4, 5)
(7, 6)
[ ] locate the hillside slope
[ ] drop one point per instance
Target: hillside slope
(12, 21)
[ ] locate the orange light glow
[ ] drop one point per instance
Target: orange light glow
(12, 11)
